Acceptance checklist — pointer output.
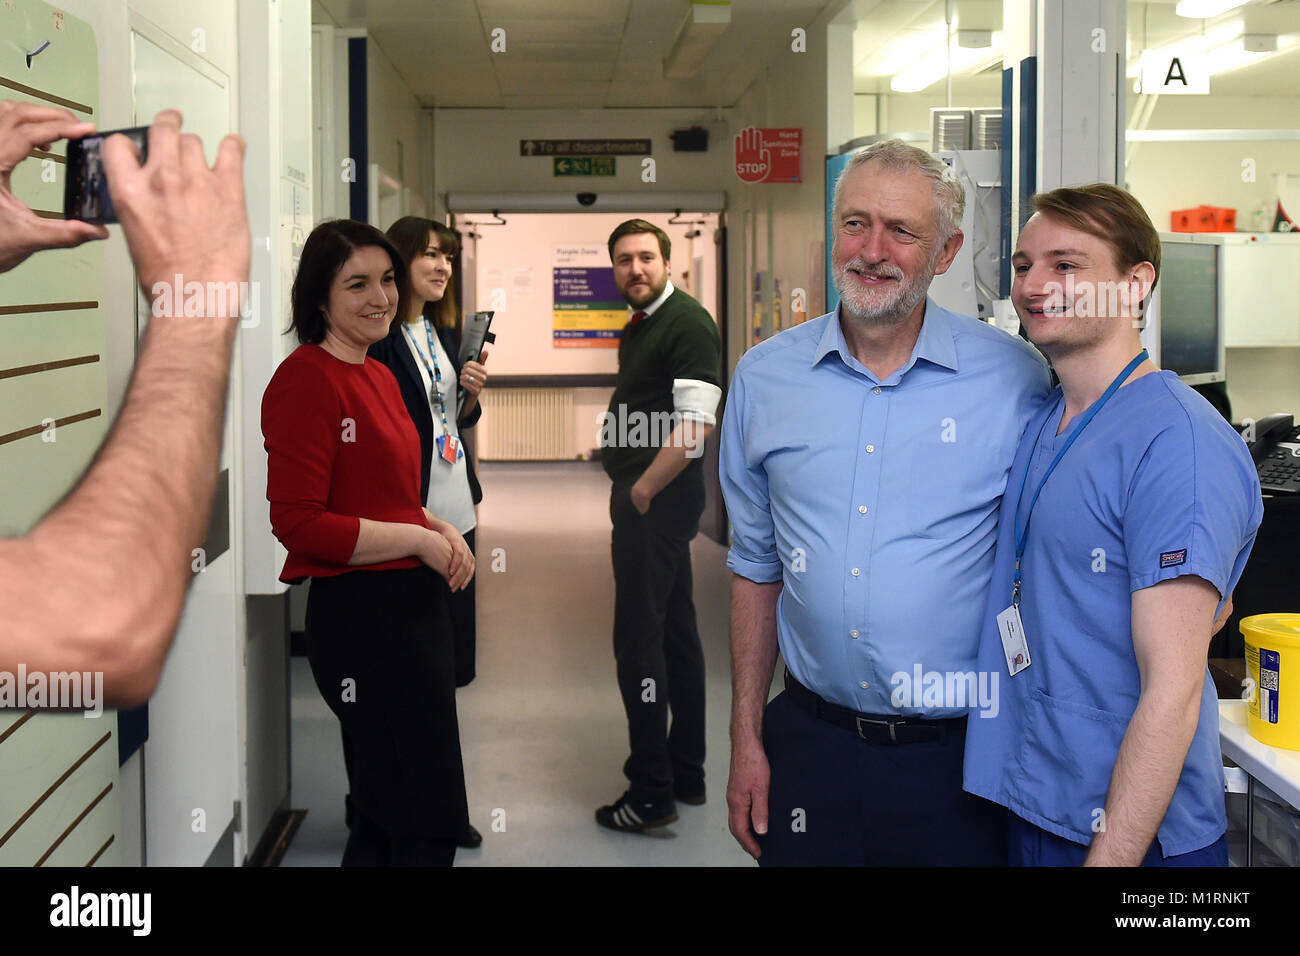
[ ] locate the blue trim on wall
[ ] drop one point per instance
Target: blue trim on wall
(358, 145)
(1028, 134)
(132, 731)
(834, 169)
(1008, 114)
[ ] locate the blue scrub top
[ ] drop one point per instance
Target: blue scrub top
(1157, 486)
(875, 501)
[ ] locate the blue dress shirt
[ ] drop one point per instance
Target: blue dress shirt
(875, 501)
(1157, 486)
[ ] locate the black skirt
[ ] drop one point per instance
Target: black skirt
(380, 649)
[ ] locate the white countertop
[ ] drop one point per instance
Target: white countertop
(1277, 769)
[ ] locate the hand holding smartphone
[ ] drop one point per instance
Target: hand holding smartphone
(25, 127)
(85, 193)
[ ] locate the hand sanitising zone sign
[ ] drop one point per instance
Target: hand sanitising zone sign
(588, 310)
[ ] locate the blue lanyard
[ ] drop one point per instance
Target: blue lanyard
(435, 373)
(1022, 535)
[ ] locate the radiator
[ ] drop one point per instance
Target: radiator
(526, 424)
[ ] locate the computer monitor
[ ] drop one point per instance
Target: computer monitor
(1185, 319)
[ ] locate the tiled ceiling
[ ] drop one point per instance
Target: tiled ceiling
(589, 54)
(569, 54)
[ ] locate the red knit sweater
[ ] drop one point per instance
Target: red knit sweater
(340, 447)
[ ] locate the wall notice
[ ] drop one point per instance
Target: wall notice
(768, 155)
(588, 310)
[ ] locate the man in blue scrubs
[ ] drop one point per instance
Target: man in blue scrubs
(1137, 507)
(863, 458)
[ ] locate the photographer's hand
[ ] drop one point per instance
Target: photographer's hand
(24, 127)
(160, 204)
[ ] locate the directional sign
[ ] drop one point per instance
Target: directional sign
(584, 165)
(589, 311)
(584, 147)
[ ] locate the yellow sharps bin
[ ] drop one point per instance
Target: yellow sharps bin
(1273, 666)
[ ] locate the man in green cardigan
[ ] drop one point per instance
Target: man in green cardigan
(652, 439)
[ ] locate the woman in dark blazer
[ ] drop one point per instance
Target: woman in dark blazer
(422, 350)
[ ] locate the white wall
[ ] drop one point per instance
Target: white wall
(1263, 381)
(393, 124)
(1169, 176)
(788, 237)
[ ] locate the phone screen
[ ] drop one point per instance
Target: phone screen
(85, 192)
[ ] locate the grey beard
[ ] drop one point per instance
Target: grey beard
(910, 298)
(897, 311)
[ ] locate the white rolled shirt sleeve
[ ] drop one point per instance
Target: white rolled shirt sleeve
(696, 401)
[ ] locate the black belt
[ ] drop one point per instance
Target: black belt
(874, 728)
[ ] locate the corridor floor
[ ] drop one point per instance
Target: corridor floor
(542, 726)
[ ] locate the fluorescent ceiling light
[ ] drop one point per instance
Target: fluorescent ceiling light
(704, 23)
(933, 66)
(1206, 9)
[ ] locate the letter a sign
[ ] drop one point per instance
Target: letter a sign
(1176, 73)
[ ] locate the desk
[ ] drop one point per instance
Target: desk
(1276, 769)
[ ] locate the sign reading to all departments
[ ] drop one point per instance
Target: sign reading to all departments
(584, 165)
(584, 147)
(1178, 73)
(768, 155)
(589, 311)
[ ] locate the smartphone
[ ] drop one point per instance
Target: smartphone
(85, 191)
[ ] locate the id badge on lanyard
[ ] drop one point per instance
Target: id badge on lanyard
(1014, 645)
(449, 447)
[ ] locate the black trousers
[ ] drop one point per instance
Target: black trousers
(837, 800)
(381, 655)
(462, 609)
(660, 661)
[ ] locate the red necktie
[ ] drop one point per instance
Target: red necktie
(636, 317)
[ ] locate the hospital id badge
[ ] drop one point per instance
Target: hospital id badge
(449, 449)
(1014, 644)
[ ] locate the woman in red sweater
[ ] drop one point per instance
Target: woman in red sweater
(343, 480)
